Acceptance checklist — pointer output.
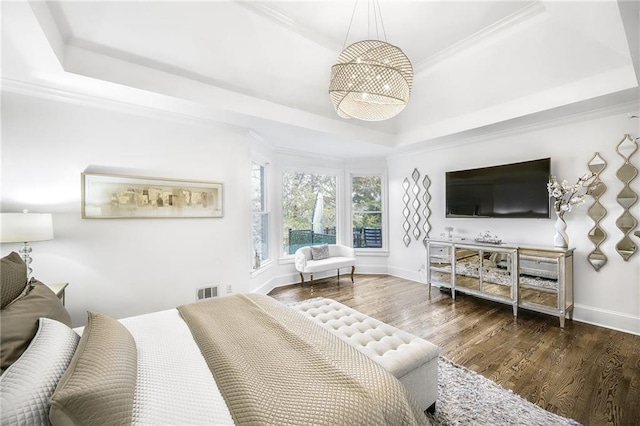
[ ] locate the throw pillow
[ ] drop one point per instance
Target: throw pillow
(27, 385)
(99, 386)
(320, 252)
(19, 320)
(13, 278)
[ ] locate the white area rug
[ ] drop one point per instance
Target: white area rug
(467, 398)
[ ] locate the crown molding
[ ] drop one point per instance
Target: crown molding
(41, 91)
(521, 125)
(510, 22)
(525, 14)
(274, 15)
(336, 162)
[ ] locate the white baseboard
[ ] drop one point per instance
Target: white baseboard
(279, 281)
(372, 269)
(608, 319)
(587, 314)
(407, 274)
(294, 277)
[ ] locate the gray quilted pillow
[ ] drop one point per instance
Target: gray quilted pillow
(99, 386)
(19, 320)
(320, 252)
(13, 278)
(27, 385)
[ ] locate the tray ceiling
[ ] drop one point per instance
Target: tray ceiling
(265, 65)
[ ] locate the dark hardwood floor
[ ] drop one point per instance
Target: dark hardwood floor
(588, 373)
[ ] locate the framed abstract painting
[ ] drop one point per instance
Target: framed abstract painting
(106, 196)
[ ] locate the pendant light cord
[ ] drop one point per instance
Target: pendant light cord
(384, 31)
(377, 12)
(350, 22)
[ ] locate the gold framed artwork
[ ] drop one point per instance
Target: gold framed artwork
(106, 196)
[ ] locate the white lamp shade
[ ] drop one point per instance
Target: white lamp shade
(25, 227)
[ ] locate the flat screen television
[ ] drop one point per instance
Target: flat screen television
(517, 190)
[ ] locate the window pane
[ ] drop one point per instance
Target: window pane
(309, 210)
(366, 211)
(260, 235)
(259, 216)
(367, 230)
(257, 188)
(367, 193)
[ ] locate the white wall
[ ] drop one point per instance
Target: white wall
(610, 297)
(124, 267)
(130, 266)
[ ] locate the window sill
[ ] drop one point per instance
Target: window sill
(371, 252)
(287, 260)
(358, 252)
(263, 267)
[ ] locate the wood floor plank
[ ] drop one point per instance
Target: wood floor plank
(584, 372)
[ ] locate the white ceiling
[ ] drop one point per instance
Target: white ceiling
(265, 65)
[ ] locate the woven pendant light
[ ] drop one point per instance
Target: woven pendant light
(371, 81)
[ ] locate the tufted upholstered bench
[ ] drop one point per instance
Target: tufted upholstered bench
(412, 360)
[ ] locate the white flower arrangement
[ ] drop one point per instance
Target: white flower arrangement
(566, 196)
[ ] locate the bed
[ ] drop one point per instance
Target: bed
(241, 359)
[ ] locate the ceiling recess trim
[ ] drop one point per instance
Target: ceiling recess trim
(274, 15)
(528, 12)
(525, 14)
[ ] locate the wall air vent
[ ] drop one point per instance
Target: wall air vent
(206, 292)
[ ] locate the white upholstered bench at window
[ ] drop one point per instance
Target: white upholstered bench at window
(339, 257)
(412, 360)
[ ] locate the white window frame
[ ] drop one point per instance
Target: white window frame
(384, 250)
(337, 174)
(265, 212)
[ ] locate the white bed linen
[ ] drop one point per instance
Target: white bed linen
(174, 384)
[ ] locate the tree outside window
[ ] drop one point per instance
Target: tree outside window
(366, 211)
(308, 210)
(259, 216)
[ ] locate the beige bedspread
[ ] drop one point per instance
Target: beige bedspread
(273, 366)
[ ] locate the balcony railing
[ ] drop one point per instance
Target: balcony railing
(306, 237)
(366, 237)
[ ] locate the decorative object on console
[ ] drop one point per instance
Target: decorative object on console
(406, 212)
(488, 239)
(23, 228)
(416, 204)
(597, 212)
(426, 197)
(449, 234)
(107, 196)
(627, 197)
(371, 79)
(566, 196)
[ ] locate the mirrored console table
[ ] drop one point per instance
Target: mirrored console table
(535, 278)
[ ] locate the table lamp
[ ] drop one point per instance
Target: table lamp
(24, 228)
